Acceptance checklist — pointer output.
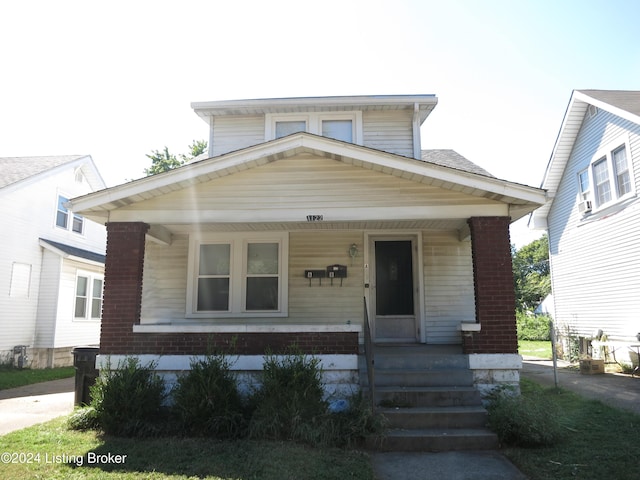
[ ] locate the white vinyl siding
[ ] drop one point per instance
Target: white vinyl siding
(231, 133)
(448, 283)
(596, 259)
(389, 131)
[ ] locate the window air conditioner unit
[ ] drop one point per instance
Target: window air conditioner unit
(584, 207)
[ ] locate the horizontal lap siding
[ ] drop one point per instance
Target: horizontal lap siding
(596, 264)
(165, 277)
(389, 131)
(231, 133)
(306, 182)
(325, 304)
(448, 280)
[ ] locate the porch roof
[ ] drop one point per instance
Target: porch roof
(516, 198)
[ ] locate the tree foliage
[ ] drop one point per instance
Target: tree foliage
(531, 273)
(163, 161)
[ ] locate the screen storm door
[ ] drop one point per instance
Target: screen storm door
(394, 291)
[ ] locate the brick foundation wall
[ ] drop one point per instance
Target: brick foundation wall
(121, 310)
(494, 288)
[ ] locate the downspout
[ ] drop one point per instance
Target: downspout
(417, 144)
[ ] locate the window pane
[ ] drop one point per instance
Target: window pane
(262, 293)
(62, 215)
(262, 258)
(81, 307)
(623, 178)
(96, 307)
(583, 178)
(214, 259)
(287, 128)
(601, 180)
(81, 286)
(213, 294)
(338, 129)
(77, 224)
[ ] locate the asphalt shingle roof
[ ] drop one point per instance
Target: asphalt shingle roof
(628, 100)
(14, 169)
(76, 252)
(452, 159)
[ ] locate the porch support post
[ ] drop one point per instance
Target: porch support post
(122, 296)
(494, 289)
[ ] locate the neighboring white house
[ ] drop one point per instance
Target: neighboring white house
(52, 264)
(593, 221)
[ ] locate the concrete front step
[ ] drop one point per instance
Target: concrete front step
(434, 440)
(470, 417)
(443, 396)
(422, 378)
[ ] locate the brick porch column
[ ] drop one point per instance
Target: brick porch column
(494, 288)
(122, 285)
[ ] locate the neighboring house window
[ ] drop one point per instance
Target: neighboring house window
(601, 182)
(621, 168)
(235, 277)
(63, 215)
(584, 185)
(88, 297)
(610, 175)
(345, 126)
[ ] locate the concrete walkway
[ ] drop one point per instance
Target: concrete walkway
(23, 407)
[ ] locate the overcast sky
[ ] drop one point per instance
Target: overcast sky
(115, 79)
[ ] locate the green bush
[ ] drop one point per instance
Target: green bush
(207, 401)
(533, 327)
(527, 421)
(128, 400)
(85, 418)
(290, 403)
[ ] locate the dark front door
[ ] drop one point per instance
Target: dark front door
(395, 310)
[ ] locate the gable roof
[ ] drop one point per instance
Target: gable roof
(17, 169)
(522, 199)
(623, 103)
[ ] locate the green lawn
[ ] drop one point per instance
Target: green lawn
(171, 458)
(600, 442)
(14, 377)
(535, 348)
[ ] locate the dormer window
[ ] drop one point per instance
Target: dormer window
(344, 126)
(288, 127)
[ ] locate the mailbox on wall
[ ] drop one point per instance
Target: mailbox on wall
(337, 271)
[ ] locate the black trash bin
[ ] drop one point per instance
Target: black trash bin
(84, 360)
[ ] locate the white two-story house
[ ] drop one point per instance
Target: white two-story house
(52, 266)
(593, 221)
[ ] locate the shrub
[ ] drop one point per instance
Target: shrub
(533, 327)
(290, 404)
(85, 418)
(207, 400)
(531, 420)
(128, 400)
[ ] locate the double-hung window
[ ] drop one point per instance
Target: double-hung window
(608, 179)
(66, 219)
(231, 277)
(88, 296)
(344, 126)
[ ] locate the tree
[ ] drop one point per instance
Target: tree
(165, 161)
(531, 273)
